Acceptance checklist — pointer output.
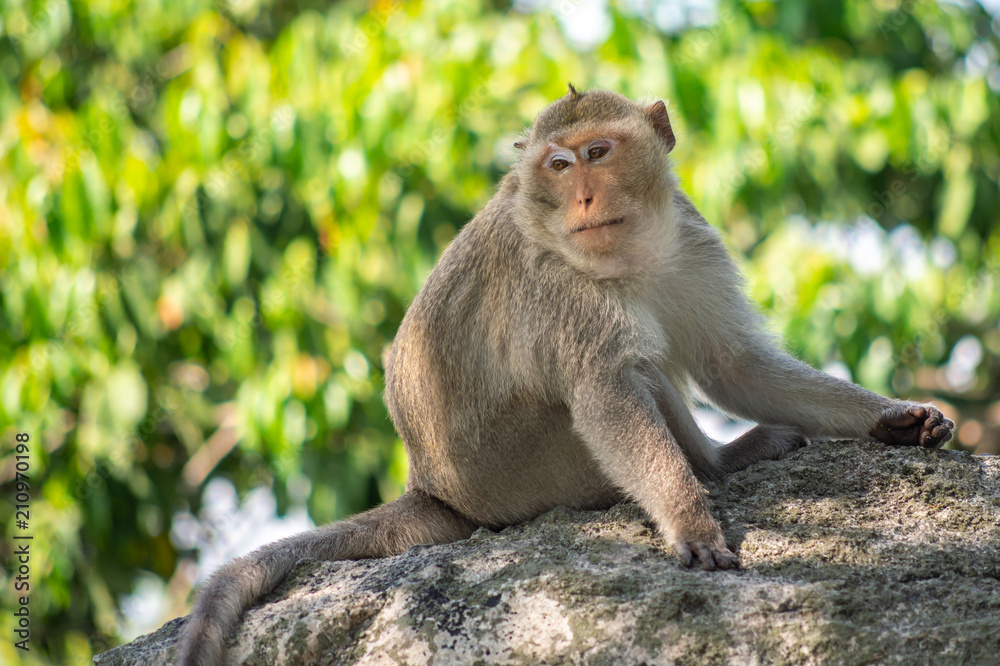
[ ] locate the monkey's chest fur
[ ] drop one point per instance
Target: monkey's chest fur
(480, 373)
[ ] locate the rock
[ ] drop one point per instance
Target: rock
(852, 553)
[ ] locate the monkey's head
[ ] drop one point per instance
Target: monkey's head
(593, 176)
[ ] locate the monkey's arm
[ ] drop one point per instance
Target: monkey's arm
(761, 382)
(617, 416)
(742, 370)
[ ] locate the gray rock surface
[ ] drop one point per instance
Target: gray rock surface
(853, 553)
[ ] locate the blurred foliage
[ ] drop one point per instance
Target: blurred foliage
(213, 216)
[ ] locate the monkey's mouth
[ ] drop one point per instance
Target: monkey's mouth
(606, 223)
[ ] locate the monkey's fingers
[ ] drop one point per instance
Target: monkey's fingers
(912, 425)
(684, 552)
(705, 557)
(725, 559)
(910, 416)
(935, 436)
(710, 557)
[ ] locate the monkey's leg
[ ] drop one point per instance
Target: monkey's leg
(712, 462)
(702, 453)
(619, 420)
(414, 518)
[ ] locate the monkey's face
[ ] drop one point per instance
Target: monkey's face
(594, 172)
(600, 186)
(582, 171)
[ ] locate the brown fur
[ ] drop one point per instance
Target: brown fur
(546, 361)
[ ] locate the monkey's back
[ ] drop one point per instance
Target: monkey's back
(475, 386)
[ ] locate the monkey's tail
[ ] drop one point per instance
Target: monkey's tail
(414, 518)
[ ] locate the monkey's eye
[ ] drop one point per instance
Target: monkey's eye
(598, 151)
(559, 164)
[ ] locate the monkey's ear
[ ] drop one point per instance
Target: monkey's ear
(656, 113)
(519, 145)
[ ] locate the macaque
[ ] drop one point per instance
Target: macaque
(549, 358)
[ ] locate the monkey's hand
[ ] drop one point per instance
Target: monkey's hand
(912, 424)
(712, 551)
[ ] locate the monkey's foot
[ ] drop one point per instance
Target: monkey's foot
(911, 424)
(711, 556)
(763, 442)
